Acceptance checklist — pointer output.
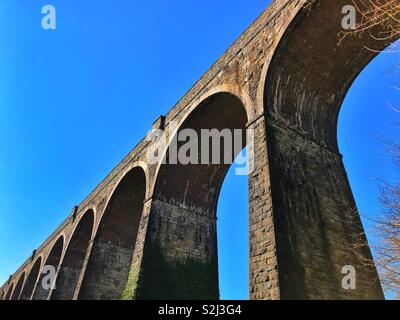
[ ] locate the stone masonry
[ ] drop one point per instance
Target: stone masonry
(148, 231)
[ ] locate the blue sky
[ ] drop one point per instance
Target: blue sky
(74, 101)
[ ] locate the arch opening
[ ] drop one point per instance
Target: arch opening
(18, 287)
(308, 78)
(71, 266)
(110, 261)
(31, 280)
(312, 71)
(367, 125)
(233, 237)
(183, 222)
(8, 294)
(42, 291)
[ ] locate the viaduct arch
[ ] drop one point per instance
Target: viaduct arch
(9, 291)
(18, 288)
(31, 279)
(74, 258)
(109, 264)
(149, 231)
(183, 211)
(53, 260)
(306, 83)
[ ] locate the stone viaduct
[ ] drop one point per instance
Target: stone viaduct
(148, 231)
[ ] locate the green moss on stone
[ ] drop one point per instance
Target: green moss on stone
(130, 289)
(179, 279)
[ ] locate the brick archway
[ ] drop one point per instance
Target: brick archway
(17, 291)
(53, 260)
(31, 280)
(315, 222)
(9, 292)
(180, 255)
(72, 262)
(107, 271)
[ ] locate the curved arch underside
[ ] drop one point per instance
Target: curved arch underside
(108, 268)
(196, 186)
(314, 210)
(181, 255)
(18, 288)
(312, 70)
(71, 266)
(31, 280)
(9, 291)
(53, 260)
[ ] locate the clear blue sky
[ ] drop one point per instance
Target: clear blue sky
(74, 101)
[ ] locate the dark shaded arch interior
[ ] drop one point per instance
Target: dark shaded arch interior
(8, 294)
(197, 185)
(108, 268)
(18, 287)
(72, 263)
(183, 234)
(31, 280)
(312, 70)
(308, 78)
(52, 260)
